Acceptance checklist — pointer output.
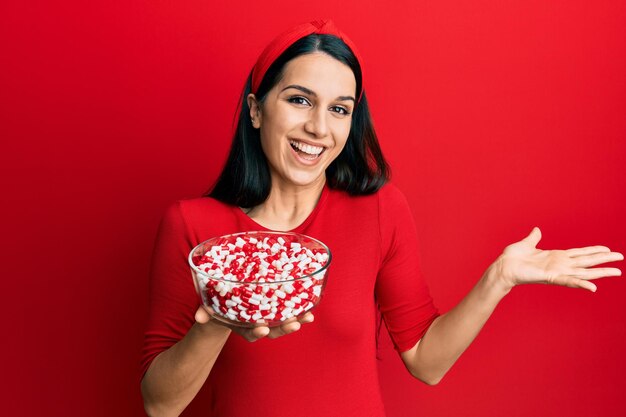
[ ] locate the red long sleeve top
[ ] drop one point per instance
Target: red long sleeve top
(328, 368)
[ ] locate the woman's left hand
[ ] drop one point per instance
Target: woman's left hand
(523, 263)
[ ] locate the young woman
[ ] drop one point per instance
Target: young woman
(305, 158)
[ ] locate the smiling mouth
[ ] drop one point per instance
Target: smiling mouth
(305, 151)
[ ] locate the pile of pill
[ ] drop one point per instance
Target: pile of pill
(261, 280)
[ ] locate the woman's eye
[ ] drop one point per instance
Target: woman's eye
(298, 100)
(340, 110)
(304, 101)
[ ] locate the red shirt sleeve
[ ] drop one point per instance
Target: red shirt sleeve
(403, 297)
(173, 297)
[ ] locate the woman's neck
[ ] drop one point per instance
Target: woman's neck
(287, 207)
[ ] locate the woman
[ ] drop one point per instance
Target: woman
(305, 158)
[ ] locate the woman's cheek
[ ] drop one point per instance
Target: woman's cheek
(346, 131)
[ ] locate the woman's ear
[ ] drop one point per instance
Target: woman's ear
(255, 110)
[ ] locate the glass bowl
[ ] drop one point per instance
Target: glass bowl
(259, 278)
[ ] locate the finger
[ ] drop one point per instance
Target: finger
(588, 286)
(307, 318)
(572, 282)
(289, 328)
(285, 329)
(534, 237)
(202, 316)
(276, 332)
(586, 261)
(589, 250)
(595, 273)
(251, 334)
(260, 332)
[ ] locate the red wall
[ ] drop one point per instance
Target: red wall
(496, 117)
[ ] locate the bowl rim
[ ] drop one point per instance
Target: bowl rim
(251, 232)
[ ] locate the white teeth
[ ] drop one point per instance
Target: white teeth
(311, 150)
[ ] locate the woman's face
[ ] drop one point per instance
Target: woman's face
(305, 120)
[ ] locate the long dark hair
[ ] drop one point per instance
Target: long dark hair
(359, 169)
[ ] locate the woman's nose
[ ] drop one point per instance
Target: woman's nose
(317, 124)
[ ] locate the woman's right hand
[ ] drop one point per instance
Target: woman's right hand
(204, 315)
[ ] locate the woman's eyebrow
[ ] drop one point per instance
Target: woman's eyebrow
(312, 93)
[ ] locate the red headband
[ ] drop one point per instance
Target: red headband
(286, 39)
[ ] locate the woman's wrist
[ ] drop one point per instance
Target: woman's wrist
(211, 329)
(495, 280)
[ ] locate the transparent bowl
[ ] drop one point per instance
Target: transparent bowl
(260, 289)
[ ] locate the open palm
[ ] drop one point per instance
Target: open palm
(523, 263)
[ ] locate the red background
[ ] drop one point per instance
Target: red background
(496, 117)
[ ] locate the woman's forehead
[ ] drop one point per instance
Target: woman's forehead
(319, 73)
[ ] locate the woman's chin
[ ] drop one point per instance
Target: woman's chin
(305, 180)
